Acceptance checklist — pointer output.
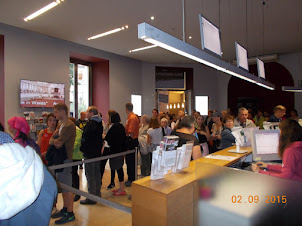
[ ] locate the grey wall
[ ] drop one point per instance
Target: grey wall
(33, 56)
(30, 55)
(293, 63)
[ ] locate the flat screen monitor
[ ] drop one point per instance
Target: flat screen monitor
(241, 55)
(210, 36)
(265, 145)
(260, 67)
(40, 94)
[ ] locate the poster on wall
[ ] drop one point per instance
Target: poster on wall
(40, 94)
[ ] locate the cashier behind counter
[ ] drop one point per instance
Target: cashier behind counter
(290, 151)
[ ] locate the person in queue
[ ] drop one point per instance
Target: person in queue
(290, 151)
(294, 115)
(65, 135)
(227, 138)
(115, 137)
(46, 134)
(144, 147)
(242, 119)
(185, 134)
(279, 112)
(216, 132)
(91, 146)
(77, 155)
(196, 114)
(154, 134)
(1, 128)
(132, 130)
(166, 130)
(19, 129)
(259, 119)
(209, 121)
(27, 188)
(181, 114)
(106, 151)
(82, 121)
(155, 113)
(224, 113)
(203, 134)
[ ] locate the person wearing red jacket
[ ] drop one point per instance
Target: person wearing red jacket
(290, 151)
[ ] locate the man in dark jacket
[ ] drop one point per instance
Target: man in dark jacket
(91, 147)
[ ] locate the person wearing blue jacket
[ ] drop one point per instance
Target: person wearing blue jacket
(227, 138)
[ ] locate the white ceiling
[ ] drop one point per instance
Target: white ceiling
(76, 20)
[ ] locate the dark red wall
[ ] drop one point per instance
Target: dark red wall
(100, 86)
(2, 80)
(267, 99)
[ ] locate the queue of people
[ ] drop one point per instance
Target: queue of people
(88, 138)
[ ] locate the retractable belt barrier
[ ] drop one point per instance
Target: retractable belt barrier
(90, 196)
(97, 198)
(65, 165)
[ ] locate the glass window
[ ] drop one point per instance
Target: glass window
(202, 104)
(71, 89)
(83, 88)
(136, 100)
(79, 78)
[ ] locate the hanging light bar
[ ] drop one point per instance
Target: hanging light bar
(108, 32)
(143, 48)
(43, 10)
(292, 89)
(157, 37)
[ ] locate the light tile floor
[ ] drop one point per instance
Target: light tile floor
(91, 215)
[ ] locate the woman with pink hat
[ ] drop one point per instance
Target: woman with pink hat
(19, 129)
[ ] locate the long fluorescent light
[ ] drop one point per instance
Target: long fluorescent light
(108, 32)
(143, 48)
(157, 37)
(265, 86)
(292, 89)
(43, 10)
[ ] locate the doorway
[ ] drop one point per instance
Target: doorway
(171, 101)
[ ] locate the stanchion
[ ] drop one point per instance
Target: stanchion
(136, 163)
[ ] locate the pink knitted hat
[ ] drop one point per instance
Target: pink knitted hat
(20, 124)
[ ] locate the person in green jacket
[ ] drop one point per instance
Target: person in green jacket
(77, 155)
(259, 119)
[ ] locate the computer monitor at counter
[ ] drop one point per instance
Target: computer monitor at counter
(265, 145)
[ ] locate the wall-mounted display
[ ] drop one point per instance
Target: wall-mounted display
(40, 94)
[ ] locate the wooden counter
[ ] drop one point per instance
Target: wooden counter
(170, 201)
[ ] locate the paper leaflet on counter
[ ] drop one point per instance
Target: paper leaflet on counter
(164, 157)
(155, 173)
(183, 157)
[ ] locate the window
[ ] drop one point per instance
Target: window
(79, 78)
(136, 100)
(201, 104)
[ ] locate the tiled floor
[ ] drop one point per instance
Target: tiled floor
(91, 215)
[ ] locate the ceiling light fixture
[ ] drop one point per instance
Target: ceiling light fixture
(157, 37)
(43, 10)
(292, 89)
(109, 32)
(152, 17)
(190, 37)
(143, 48)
